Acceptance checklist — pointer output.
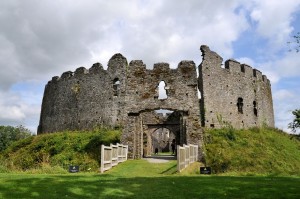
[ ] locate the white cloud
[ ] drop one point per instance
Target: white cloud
(285, 101)
(246, 60)
(289, 65)
(61, 35)
(286, 66)
(15, 111)
(273, 19)
(21, 105)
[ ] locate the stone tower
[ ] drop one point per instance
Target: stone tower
(237, 94)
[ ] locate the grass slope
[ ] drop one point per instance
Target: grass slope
(56, 151)
(252, 151)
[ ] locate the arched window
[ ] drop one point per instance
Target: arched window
(240, 105)
(116, 86)
(162, 92)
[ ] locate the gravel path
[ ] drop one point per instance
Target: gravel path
(160, 159)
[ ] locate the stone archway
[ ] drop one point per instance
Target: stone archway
(157, 137)
(162, 140)
(140, 127)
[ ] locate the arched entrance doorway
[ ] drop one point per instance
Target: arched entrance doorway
(158, 141)
(162, 140)
(159, 131)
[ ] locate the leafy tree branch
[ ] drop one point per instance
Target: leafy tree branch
(296, 122)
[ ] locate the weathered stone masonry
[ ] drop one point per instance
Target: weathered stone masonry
(236, 94)
(127, 95)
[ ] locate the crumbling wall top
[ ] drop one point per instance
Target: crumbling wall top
(231, 65)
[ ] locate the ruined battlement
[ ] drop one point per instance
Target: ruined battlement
(236, 67)
(127, 95)
(232, 66)
(136, 66)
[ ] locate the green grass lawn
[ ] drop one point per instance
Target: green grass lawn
(140, 179)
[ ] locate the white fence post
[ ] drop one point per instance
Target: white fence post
(112, 155)
(102, 159)
(193, 153)
(186, 155)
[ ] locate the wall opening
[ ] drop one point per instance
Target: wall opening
(198, 94)
(242, 68)
(116, 86)
(165, 112)
(162, 92)
(255, 108)
(254, 73)
(240, 105)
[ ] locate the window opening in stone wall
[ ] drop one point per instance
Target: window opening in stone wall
(199, 94)
(255, 108)
(254, 73)
(242, 68)
(240, 105)
(116, 86)
(162, 92)
(164, 112)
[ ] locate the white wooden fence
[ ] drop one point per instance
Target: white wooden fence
(112, 155)
(186, 155)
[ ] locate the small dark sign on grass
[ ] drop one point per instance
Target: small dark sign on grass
(205, 170)
(73, 169)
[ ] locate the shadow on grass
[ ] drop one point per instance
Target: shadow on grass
(107, 186)
(171, 170)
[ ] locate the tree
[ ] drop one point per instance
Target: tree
(295, 44)
(296, 122)
(10, 134)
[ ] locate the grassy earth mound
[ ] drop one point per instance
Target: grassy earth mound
(56, 151)
(252, 151)
(255, 151)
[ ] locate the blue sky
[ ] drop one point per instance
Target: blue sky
(41, 39)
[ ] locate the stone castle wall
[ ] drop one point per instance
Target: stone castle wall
(84, 99)
(237, 94)
(127, 95)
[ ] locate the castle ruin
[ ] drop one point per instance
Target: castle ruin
(127, 95)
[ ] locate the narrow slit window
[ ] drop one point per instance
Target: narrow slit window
(255, 108)
(254, 73)
(240, 105)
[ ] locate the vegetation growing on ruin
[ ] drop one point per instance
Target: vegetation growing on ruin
(253, 151)
(56, 151)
